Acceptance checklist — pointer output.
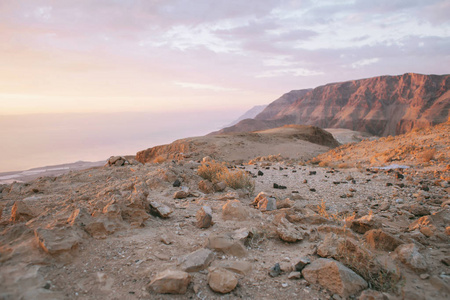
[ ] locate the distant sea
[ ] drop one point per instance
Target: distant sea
(29, 141)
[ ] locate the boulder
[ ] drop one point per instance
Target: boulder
(334, 276)
(204, 217)
(20, 212)
(117, 161)
(170, 282)
(197, 260)
(206, 187)
(226, 244)
(365, 223)
(380, 240)
(57, 240)
(234, 210)
(409, 255)
(288, 232)
(160, 209)
(221, 280)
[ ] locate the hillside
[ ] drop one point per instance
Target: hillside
(382, 106)
(290, 141)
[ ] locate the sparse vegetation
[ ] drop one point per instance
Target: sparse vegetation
(215, 172)
(428, 155)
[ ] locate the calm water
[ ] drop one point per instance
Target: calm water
(30, 141)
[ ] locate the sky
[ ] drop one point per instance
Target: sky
(108, 56)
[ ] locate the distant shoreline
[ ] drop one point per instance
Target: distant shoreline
(54, 170)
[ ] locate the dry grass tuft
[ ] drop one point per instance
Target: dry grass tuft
(211, 170)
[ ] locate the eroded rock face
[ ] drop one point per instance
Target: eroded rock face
(170, 282)
(221, 280)
(334, 276)
(378, 239)
(21, 212)
(400, 103)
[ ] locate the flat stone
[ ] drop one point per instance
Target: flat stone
(170, 282)
(288, 232)
(239, 267)
(295, 275)
(226, 244)
(180, 195)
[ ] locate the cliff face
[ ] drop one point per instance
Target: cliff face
(385, 105)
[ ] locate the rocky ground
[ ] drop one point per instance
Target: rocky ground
(160, 231)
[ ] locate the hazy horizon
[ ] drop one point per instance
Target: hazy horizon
(37, 140)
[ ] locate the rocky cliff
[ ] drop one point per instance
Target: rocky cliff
(384, 105)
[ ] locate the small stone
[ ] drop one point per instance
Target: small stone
(220, 186)
(295, 275)
(372, 295)
(239, 267)
(221, 280)
(275, 270)
(424, 276)
(206, 187)
(160, 209)
(170, 282)
(197, 260)
(284, 284)
(204, 217)
(301, 263)
(180, 195)
(260, 173)
(227, 244)
(234, 210)
(177, 183)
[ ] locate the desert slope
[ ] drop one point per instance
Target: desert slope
(384, 105)
(290, 141)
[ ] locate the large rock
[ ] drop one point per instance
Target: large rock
(170, 282)
(204, 217)
(288, 232)
(334, 276)
(430, 225)
(117, 161)
(227, 244)
(57, 240)
(197, 260)
(409, 255)
(234, 210)
(221, 280)
(20, 212)
(380, 240)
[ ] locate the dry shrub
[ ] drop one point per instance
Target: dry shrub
(428, 155)
(211, 170)
(215, 172)
(237, 180)
(324, 164)
(159, 160)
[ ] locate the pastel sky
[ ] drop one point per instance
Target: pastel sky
(159, 55)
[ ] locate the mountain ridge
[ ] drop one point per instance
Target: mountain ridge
(383, 105)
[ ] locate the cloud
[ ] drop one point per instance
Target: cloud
(200, 86)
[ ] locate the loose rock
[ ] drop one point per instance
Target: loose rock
(170, 282)
(204, 217)
(197, 260)
(221, 280)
